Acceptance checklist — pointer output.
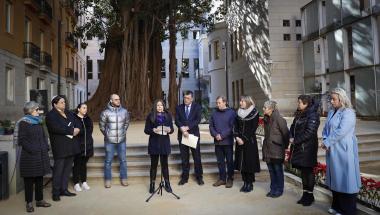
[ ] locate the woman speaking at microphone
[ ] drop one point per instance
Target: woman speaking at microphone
(158, 126)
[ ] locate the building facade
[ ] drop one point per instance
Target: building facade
(264, 51)
(37, 52)
(341, 49)
(94, 59)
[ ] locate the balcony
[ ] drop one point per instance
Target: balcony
(46, 12)
(71, 9)
(70, 40)
(71, 76)
(46, 62)
(35, 5)
(32, 54)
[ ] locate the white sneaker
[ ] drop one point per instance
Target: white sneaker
(77, 188)
(85, 186)
(331, 211)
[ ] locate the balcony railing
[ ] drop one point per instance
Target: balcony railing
(71, 75)
(33, 4)
(31, 51)
(46, 59)
(70, 39)
(46, 13)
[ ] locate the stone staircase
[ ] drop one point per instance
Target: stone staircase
(138, 160)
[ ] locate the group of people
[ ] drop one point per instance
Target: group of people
(72, 146)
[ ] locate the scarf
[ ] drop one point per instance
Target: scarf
(242, 113)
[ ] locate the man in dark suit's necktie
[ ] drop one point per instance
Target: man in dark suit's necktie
(187, 111)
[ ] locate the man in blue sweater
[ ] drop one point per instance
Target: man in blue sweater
(221, 128)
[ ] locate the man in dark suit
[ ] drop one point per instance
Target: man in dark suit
(187, 119)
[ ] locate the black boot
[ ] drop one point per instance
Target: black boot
(243, 187)
(248, 188)
(168, 188)
(309, 199)
(151, 187)
(302, 199)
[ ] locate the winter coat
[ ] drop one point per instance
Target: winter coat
(276, 137)
(192, 121)
(158, 144)
(34, 159)
(84, 138)
(222, 122)
(247, 155)
(304, 130)
(342, 159)
(114, 122)
(60, 129)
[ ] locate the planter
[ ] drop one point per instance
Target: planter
(1, 131)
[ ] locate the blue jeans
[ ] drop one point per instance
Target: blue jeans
(276, 173)
(121, 149)
(225, 153)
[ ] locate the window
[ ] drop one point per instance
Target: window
(209, 52)
(8, 17)
(242, 86)
(89, 69)
(163, 68)
(232, 47)
(287, 37)
(52, 87)
(298, 23)
(28, 87)
(27, 30)
(10, 84)
(40, 84)
(298, 37)
(100, 68)
(286, 23)
(195, 35)
(216, 50)
(185, 67)
(196, 64)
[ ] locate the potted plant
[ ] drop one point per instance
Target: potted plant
(8, 127)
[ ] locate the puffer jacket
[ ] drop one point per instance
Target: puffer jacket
(114, 122)
(304, 130)
(276, 138)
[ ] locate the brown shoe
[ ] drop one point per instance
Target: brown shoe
(107, 184)
(124, 182)
(218, 183)
(229, 183)
(43, 204)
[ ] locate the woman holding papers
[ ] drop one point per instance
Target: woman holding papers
(246, 151)
(158, 126)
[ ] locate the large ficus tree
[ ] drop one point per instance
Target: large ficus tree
(134, 30)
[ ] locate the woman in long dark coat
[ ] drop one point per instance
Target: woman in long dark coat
(304, 148)
(86, 144)
(246, 151)
(34, 160)
(158, 126)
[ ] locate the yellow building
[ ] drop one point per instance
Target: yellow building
(38, 51)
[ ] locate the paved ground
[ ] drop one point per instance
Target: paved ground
(194, 200)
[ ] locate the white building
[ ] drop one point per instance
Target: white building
(264, 51)
(95, 60)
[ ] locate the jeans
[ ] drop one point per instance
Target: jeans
(276, 173)
(121, 149)
(223, 153)
(61, 174)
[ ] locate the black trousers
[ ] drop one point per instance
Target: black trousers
(154, 164)
(248, 177)
(344, 203)
(185, 156)
(308, 178)
(61, 174)
(80, 169)
(38, 188)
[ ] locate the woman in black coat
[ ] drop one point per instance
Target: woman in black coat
(86, 143)
(246, 151)
(304, 148)
(62, 131)
(158, 126)
(34, 160)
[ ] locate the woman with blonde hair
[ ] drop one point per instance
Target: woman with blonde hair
(246, 151)
(342, 159)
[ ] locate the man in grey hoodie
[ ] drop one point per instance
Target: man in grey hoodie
(114, 122)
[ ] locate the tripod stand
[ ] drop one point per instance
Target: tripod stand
(159, 190)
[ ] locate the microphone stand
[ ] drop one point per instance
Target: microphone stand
(161, 185)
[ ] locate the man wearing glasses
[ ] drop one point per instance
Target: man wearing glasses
(187, 119)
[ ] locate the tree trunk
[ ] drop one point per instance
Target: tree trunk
(173, 88)
(127, 64)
